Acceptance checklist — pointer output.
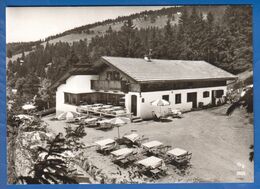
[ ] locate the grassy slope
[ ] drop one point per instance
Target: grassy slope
(101, 30)
(139, 22)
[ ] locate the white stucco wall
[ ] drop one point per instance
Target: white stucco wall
(144, 109)
(75, 84)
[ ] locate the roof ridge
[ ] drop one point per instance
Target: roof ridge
(155, 59)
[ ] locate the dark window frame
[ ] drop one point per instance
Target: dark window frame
(91, 98)
(219, 93)
(66, 98)
(167, 97)
(109, 75)
(205, 94)
(116, 76)
(71, 99)
(178, 98)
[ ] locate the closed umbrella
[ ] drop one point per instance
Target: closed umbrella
(160, 102)
(118, 121)
(67, 115)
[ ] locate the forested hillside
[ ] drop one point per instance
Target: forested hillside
(222, 37)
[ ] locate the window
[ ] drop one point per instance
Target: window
(85, 98)
(189, 97)
(71, 98)
(113, 75)
(205, 94)
(109, 75)
(92, 84)
(165, 97)
(90, 98)
(116, 76)
(219, 93)
(66, 98)
(192, 97)
(177, 98)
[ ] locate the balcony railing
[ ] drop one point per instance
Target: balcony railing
(107, 85)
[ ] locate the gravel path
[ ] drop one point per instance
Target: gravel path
(219, 144)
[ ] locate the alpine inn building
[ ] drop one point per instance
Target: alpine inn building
(136, 82)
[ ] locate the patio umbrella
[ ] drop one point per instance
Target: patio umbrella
(24, 117)
(160, 102)
(118, 121)
(67, 115)
(28, 107)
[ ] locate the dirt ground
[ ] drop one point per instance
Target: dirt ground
(219, 144)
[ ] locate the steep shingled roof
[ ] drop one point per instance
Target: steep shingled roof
(167, 70)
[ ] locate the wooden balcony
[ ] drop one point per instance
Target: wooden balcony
(108, 85)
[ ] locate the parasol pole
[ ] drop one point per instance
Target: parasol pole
(118, 131)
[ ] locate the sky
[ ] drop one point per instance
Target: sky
(25, 24)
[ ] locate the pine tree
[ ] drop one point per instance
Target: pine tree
(195, 35)
(237, 25)
(19, 85)
(52, 169)
(44, 92)
(109, 30)
(128, 42)
(31, 85)
(73, 59)
(209, 40)
(9, 53)
(183, 36)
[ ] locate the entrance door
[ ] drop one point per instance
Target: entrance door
(192, 97)
(134, 105)
(213, 98)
